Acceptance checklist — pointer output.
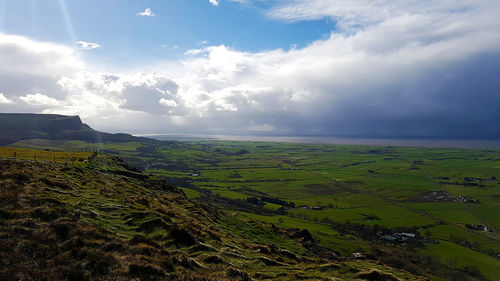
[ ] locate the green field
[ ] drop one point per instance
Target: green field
(393, 187)
(45, 155)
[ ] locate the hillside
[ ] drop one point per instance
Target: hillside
(101, 220)
(20, 126)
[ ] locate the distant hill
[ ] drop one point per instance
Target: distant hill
(20, 126)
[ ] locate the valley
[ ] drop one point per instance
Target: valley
(352, 199)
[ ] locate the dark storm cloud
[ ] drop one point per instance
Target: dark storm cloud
(458, 100)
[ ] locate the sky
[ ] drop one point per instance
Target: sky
(367, 68)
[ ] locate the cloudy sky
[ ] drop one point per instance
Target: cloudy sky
(266, 67)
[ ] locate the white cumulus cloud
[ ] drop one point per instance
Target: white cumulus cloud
(88, 45)
(4, 99)
(147, 13)
(40, 99)
(214, 2)
(167, 102)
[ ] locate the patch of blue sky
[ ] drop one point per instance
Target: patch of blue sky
(176, 26)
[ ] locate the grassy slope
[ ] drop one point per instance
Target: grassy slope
(99, 220)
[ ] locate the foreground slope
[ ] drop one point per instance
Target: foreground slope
(104, 221)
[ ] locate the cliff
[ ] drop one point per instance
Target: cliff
(19, 126)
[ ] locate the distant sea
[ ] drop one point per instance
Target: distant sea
(431, 143)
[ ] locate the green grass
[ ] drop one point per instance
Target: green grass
(348, 181)
(457, 257)
(44, 155)
(324, 233)
(191, 194)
